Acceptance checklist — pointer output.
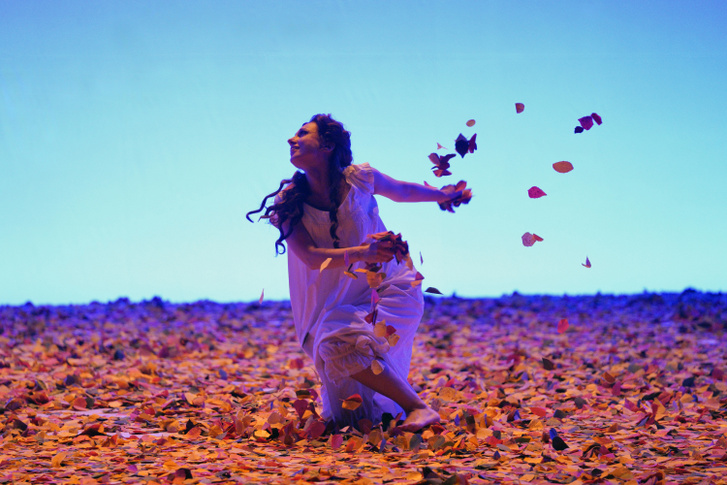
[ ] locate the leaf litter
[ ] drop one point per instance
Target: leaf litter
(633, 391)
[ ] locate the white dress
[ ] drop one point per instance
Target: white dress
(329, 308)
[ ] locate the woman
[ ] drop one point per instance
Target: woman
(326, 213)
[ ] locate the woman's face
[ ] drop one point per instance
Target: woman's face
(306, 151)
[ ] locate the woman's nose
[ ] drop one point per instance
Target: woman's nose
(290, 141)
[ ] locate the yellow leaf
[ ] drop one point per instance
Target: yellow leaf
(377, 367)
(380, 329)
(325, 263)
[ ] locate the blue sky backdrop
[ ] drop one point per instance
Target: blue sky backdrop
(135, 135)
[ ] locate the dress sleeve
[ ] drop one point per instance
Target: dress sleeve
(361, 175)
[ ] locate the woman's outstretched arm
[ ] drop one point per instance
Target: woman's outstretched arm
(400, 191)
(305, 248)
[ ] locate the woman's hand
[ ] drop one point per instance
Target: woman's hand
(454, 195)
(379, 251)
(449, 193)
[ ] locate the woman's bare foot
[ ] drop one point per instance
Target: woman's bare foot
(419, 418)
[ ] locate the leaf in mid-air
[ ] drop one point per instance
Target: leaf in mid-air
(441, 164)
(463, 146)
(519, 107)
(325, 263)
(563, 167)
(586, 122)
(352, 402)
(530, 239)
(536, 192)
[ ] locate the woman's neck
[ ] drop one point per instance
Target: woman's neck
(320, 190)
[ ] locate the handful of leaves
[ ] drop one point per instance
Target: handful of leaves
(462, 199)
(401, 247)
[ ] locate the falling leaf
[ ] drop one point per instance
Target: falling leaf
(439, 146)
(578, 129)
(441, 164)
(587, 264)
(262, 295)
(596, 118)
(471, 123)
(417, 279)
(563, 167)
(519, 107)
(352, 402)
(562, 325)
(530, 239)
(586, 122)
(536, 192)
(421, 258)
(377, 367)
(325, 263)
(464, 146)
(350, 273)
(433, 290)
(380, 329)
(375, 279)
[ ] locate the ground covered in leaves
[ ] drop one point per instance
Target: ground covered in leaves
(538, 389)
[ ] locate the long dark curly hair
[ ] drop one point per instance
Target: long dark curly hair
(287, 211)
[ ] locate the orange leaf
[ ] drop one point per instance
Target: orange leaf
(194, 433)
(471, 123)
(563, 167)
(80, 404)
(392, 339)
(542, 412)
(352, 402)
(57, 460)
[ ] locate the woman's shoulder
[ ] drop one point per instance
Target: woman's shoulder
(360, 175)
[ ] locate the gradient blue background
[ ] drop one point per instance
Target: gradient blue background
(135, 135)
